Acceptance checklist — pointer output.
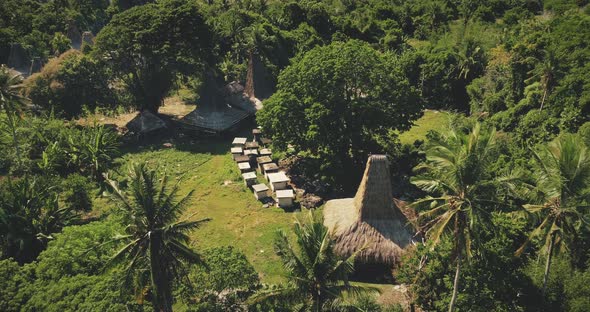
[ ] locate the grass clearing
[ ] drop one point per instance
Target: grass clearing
(431, 120)
(238, 219)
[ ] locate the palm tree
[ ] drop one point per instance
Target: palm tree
(562, 190)
(455, 172)
(157, 242)
(544, 74)
(470, 56)
(12, 101)
(317, 276)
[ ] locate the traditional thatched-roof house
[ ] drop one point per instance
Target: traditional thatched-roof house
(145, 122)
(371, 220)
(219, 108)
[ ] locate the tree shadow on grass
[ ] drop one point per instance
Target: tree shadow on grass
(185, 140)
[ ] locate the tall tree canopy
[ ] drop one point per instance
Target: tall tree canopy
(68, 83)
(337, 101)
(149, 45)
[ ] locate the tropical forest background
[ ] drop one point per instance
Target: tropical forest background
(482, 107)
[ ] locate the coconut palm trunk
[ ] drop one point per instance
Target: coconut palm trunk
(161, 288)
(458, 240)
(548, 263)
(317, 302)
(543, 99)
(455, 283)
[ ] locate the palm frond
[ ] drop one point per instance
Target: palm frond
(125, 251)
(440, 226)
(536, 232)
(186, 253)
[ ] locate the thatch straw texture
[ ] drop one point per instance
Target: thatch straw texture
(370, 221)
(145, 122)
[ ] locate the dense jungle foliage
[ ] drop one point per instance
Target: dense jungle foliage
(501, 189)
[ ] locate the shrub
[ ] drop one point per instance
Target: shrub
(77, 250)
(75, 194)
(12, 279)
(224, 284)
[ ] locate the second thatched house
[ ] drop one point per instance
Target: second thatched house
(370, 222)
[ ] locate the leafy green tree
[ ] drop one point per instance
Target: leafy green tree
(156, 242)
(317, 277)
(560, 196)
(69, 83)
(577, 290)
(149, 45)
(227, 268)
(60, 43)
(493, 92)
(547, 61)
(338, 100)
(567, 287)
(69, 275)
(455, 174)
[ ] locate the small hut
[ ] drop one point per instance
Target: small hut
(262, 161)
(252, 153)
(260, 191)
(278, 180)
(249, 178)
(371, 220)
(221, 108)
(269, 168)
(236, 151)
(145, 122)
(252, 145)
(241, 158)
(244, 167)
(265, 152)
(239, 142)
(256, 134)
(285, 198)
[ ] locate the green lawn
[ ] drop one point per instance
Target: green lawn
(238, 219)
(432, 120)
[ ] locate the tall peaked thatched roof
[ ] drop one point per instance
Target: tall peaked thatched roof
(371, 220)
